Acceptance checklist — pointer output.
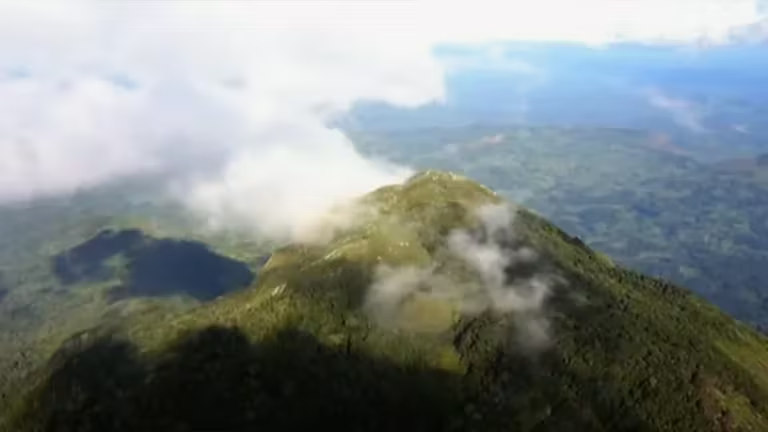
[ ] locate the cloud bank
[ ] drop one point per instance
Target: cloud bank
(232, 98)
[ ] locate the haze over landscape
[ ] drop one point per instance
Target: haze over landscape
(439, 215)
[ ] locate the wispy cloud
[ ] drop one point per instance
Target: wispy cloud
(511, 280)
(741, 128)
(683, 112)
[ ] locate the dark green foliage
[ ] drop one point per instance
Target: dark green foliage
(651, 343)
(39, 311)
(631, 194)
(215, 379)
(628, 352)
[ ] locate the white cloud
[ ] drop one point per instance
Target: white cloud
(235, 94)
(592, 21)
(490, 57)
(685, 113)
(512, 280)
(762, 7)
(741, 128)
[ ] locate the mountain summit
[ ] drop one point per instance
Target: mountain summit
(435, 306)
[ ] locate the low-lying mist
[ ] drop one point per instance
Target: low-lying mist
(509, 279)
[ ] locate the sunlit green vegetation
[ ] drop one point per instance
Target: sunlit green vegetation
(631, 194)
(295, 350)
(39, 309)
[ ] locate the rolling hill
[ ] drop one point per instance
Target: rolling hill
(445, 308)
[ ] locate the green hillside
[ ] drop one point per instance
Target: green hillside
(443, 309)
(70, 263)
(634, 195)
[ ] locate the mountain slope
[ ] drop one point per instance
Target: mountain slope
(627, 193)
(440, 310)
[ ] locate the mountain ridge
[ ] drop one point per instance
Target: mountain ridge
(561, 338)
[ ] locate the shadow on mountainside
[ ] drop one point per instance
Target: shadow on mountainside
(86, 261)
(216, 379)
(147, 266)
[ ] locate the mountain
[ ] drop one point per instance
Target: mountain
(68, 263)
(634, 195)
(444, 307)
